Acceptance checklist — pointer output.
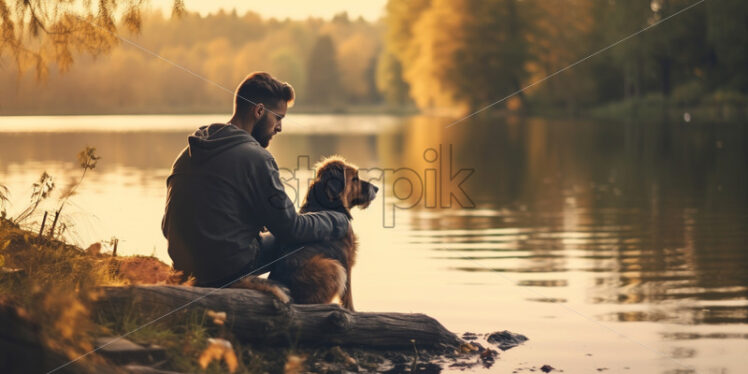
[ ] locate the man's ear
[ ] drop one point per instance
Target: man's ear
(259, 110)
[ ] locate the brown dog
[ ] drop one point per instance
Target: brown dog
(320, 271)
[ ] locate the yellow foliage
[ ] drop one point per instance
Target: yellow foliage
(36, 33)
(429, 53)
(355, 56)
(57, 282)
(514, 103)
(65, 323)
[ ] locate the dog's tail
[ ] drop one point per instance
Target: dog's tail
(318, 281)
(272, 287)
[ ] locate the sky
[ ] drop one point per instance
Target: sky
(296, 9)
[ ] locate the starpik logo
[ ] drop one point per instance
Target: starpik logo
(435, 185)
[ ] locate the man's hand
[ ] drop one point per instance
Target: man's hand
(342, 225)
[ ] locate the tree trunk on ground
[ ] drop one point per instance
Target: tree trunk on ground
(23, 349)
(259, 318)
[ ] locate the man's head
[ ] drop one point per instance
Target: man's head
(260, 103)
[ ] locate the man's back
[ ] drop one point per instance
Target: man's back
(224, 188)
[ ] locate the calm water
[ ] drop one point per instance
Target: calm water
(609, 245)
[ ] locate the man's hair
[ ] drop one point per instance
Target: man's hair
(260, 87)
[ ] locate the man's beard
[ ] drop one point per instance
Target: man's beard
(260, 131)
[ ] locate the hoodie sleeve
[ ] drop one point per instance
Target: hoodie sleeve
(279, 212)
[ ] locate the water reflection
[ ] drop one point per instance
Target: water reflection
(629, 223)
(138, 151)
(653, 213)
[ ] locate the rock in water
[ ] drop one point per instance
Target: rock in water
(469, 336)
(506, 339)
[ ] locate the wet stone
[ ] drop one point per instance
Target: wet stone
(421, 368)
(488, 356)
(123, 351)
(469, 336)
(139, 369)
(506, 339)
(401, 359)
(462, 365)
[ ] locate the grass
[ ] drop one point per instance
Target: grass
(53, 286)
(51, 283)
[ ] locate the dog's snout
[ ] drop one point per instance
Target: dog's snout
(372, 191)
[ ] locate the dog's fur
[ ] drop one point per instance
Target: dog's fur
(322, 270)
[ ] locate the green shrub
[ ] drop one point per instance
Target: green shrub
(726, 97)
(689, 93)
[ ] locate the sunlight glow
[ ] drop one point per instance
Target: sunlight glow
(281, 9)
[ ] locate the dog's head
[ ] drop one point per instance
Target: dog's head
(338, 187)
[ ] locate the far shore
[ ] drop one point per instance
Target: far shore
(652, 108)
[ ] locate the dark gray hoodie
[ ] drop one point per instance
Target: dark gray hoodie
(223, 189)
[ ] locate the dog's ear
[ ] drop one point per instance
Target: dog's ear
(332, 177)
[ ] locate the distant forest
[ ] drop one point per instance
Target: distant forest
(330, 64)
(472, 53)
(429, 54)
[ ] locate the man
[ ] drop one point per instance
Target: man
(225, 188)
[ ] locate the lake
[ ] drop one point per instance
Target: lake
(615, 247)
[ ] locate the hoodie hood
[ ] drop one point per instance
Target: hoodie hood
(208, 141)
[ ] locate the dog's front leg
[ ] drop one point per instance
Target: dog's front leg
(347, 298)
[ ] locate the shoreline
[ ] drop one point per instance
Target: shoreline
(645, 109)
(50, 298)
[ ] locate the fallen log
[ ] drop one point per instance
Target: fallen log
(23, 348)
(256, 317)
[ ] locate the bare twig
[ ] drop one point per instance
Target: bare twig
(44, 221)
(54, 223)
(41, 190)
(87, 159)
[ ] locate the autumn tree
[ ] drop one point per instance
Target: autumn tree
(727, 32)
(35, 33)
(675, 48)
(322, 73)
(567, 23)
(490, 61)
(424, 35)
(389, 80)
(208, 46)
(459, 53)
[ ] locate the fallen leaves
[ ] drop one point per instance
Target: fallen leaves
(468, 347)
(219, 318)
(219, 349)
(294, 364)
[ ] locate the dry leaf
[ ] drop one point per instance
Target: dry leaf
(294, 364)
(467, 348)
(219, 349)
(232, 362)
(219, 318)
